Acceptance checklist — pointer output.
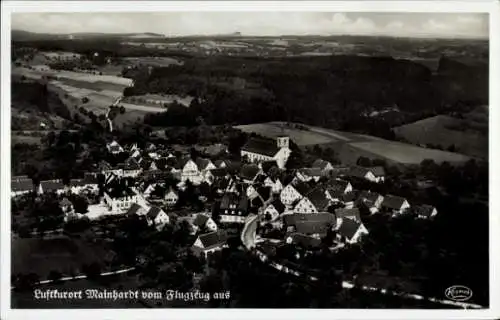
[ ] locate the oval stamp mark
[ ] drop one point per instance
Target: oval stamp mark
(458, 293)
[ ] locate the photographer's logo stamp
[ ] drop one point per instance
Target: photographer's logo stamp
(458, 293)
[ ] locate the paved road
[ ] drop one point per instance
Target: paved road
(248, 234)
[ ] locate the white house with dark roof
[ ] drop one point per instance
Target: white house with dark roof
(119, 202)
(350, 231)
(275, 184)
(424, 211)
(49, 186)
(189, 170)
(375, 174)
(263, 149)
(171, 197)
(204, 164)
(249, 173)
(293, 192)
(313, 202)
(20, 185)
(372, 200)
(344, 213)
(114, 148)
(203, 222)
(233, 208)
(396, 205)
(316, 225)
(209, 243)
(157, 217)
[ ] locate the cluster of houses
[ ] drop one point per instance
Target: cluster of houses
(306, 204)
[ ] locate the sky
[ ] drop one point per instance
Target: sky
(438, 25)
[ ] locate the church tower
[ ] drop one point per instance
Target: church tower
(283, 142)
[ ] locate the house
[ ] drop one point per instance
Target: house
(49, 186)
(351, 231)
(214, 174)
(395, 204)
(337, 187)
(424, 211)
(88, 183)
(308, 174)
(316, 225)
(249, 172)
(293, 192)
(342, 213)
(171, 197)
(379, 173)
(131, 168)
(251, 192)
(204, 223)
(324, 166)
(157, 217)
(274, 183)
(221, 185)
(348, 200)
(20, 185)
(208, 243)
(222, 163)
(119, 201)
(233, 208)
(375, 174)
(314, 202)
(204, 164)
(274, 209)
(372, 200)
(114, 147)
(189, 170)
(263, 149)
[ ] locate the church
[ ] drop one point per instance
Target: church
(264, 149)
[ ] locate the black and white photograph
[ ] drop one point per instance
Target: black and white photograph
(247, 158)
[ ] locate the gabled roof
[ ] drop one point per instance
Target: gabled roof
(21, 185)
(278, 205)
(348, 197)
(323, 217)
(305, 240)
(219, 162)
(337, 185)
(367, 196)
(312, 227)
(378, 171)
(358, 172)
(249, 171)
(261, 146)
(320, 163)
(133, 209)
(229, 199)
(318, 199)
(171, 191)
(153, 212)
(213, 239)
(200, 220)
(348, 213)
(202, 163)
(181, 162)
(219, 172)
(393, 202)
(302, 188)
(311, 172)
(348, 228)
(423, 210)
(52, 185)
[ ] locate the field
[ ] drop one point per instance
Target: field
(157, 99)
(350, 146)
(468, 135)
(300, 137)
(63, 254)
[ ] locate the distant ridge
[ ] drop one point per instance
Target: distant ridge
(21, 35)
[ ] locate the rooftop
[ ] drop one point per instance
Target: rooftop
(262, 146)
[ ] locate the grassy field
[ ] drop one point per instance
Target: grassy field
(63, 254)
(350, 146)
(469, 135)
(152, 61)
(300, 137)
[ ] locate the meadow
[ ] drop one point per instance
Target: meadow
(467, 134)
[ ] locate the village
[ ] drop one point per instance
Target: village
(300, 207)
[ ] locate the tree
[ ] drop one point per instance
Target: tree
(364, 162)
(122, 109)
(54, 275)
